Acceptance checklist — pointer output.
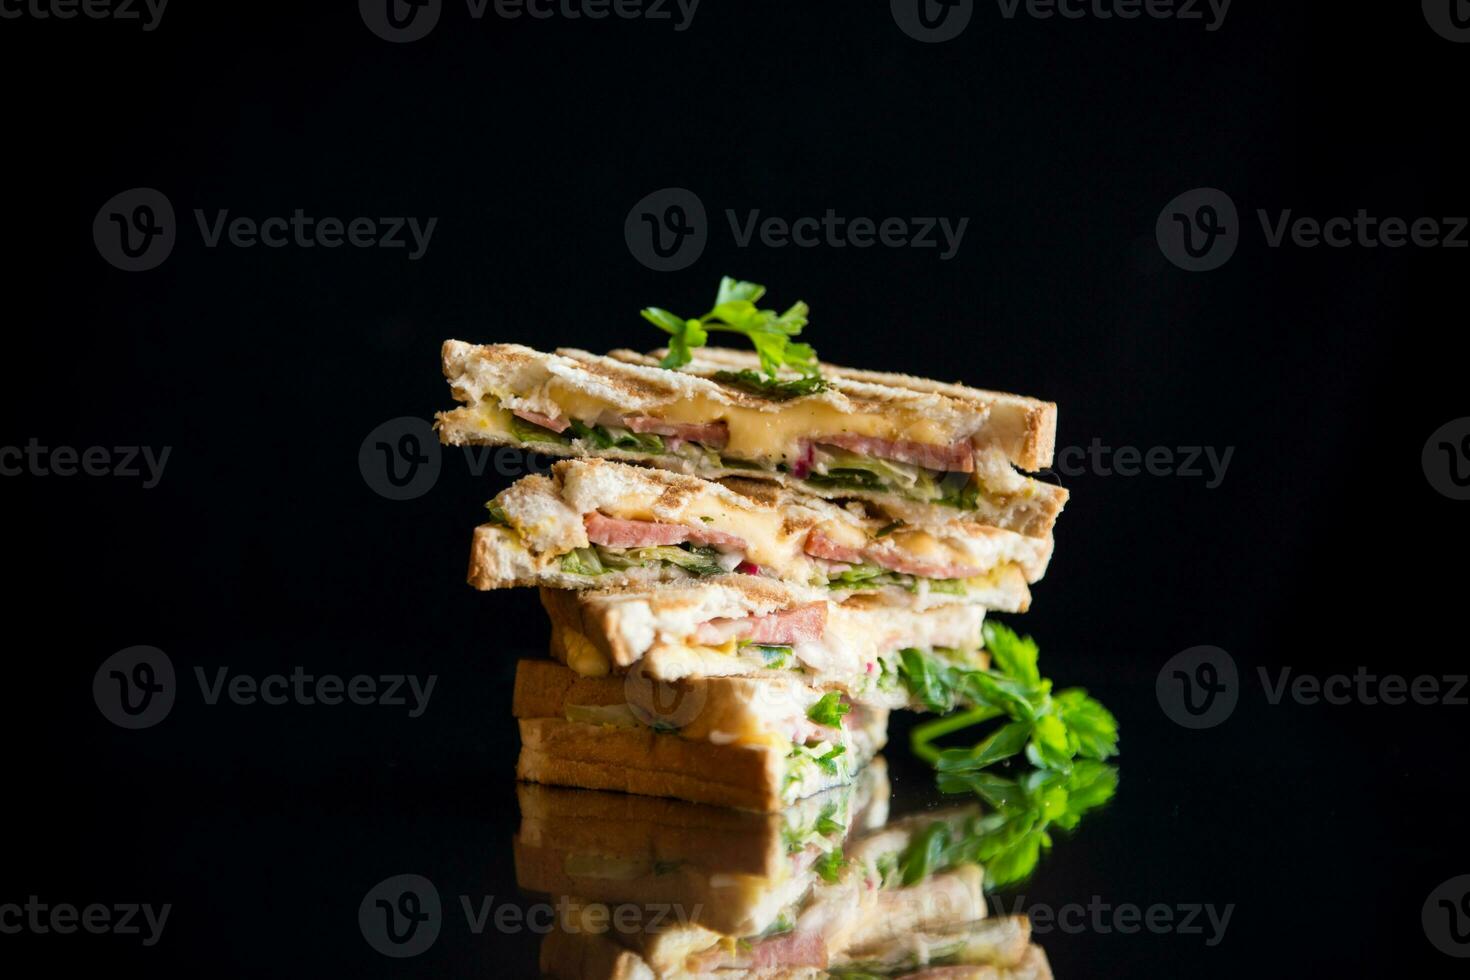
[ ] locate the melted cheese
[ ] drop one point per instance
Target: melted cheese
(764, 435)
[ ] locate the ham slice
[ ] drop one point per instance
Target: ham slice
(885, 554)
(958, 456)
(712, 434)
(799, 948)
(617, 533)
(799, 624)
(818, 545)
(545, 421)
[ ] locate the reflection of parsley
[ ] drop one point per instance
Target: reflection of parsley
(1007, 842)
(828, 761)
(768, 331)
(829, 866)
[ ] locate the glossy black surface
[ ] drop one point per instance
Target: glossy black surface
(261, 549)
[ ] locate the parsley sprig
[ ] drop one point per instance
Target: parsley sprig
(735, 311)
(1052, 729)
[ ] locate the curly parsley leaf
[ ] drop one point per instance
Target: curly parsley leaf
(1051, 729)
(769, 332)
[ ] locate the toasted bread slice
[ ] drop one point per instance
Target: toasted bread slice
(601, 524)
(926, 455)
(727, 710)
(656, 634)
(731, 741)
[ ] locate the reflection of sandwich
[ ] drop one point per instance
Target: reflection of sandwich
(670, 890)
(730, 871)
(740, 625)
(600, 524)
(732, 741)
(925, 450)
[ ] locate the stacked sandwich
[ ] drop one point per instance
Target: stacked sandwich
(829, 886)
(746, 570)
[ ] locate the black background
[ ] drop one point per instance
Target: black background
(263, 548)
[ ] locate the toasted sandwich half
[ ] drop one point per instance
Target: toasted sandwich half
(600, 524)
(857, 909)
(743, 626)
(926, 451)
(731, 741)
(733, 872)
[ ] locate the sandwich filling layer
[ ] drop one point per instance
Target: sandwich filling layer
(596, 523)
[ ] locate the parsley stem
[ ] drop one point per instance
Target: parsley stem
(924, 734)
